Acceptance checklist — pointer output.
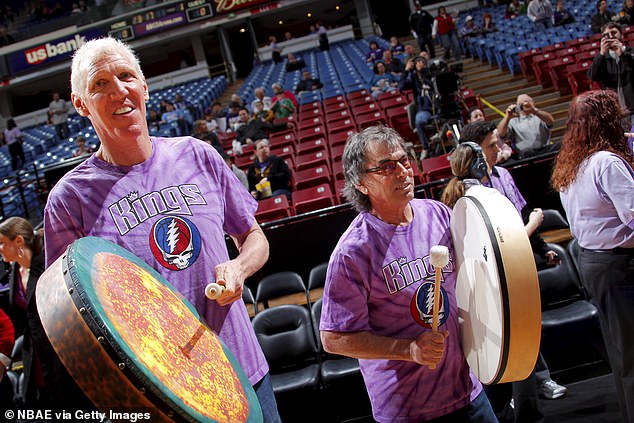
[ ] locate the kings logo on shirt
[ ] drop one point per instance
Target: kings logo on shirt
(175, 242)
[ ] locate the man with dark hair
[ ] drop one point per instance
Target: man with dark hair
(250, 131)
(603, 17)
(613, 66)
(421, 22)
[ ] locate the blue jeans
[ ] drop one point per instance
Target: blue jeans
(264, 391)
(449, 42)
(477, 411)
(420, 121)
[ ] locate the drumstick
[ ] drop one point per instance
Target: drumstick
(438, 257)
(214, 290)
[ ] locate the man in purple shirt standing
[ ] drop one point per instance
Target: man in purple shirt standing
(168, 200)
(379, 282)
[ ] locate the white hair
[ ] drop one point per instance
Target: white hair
(93, 51)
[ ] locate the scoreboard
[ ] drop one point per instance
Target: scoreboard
(161, 18)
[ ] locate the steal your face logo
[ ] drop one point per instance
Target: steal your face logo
(175, 242)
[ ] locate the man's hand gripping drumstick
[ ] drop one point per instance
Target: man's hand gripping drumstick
(429, 348)
(227, 288)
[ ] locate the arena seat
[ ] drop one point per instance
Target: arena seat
(315, 175)
(312, 158)
(313, 198)
(273, 208)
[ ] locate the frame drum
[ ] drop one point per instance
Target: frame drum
(497, 288)
(134, 344)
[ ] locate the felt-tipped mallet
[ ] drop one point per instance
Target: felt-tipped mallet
(439, 258)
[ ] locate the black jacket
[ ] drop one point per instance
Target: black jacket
(423, 90)
(277, 173)
(60, 391)
(256, 130)
(610, 73)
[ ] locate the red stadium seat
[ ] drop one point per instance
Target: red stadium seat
(283, 151)
(526, 61)
(311, 113)
(397, 101)
(559, 74)
(312, 159)
(313, 198)
(370, 119)
(336, 152)
(334, 100)
(310, 122)
(365, 108)
(436, 168)
(338, 114)
(311, 145)
(311, 133)
(360, 93)
(310, 106)
(339, 137)
(341, 124)
(541, 65)
(276, 138)
(335, 107)
(360, 101)
(578, 77)
(312, 176)
(339, 184)
(273, 208)
(337, 170)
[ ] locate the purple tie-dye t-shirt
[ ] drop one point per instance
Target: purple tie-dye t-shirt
(172, 211)
(379, 280)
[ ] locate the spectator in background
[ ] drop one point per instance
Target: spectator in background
(540, 12)
(262, 97)
(395, 46)
(308, 83)
(288, 36)
(250, 131)
(375, 53)
(217, 111)
(283, 106)
(613, 67)
(82, 148)
(409, 53)
(276, 52)
(487, 24)
(5, 37)
(294, 63)
(322, 36)
(270, 168)
(382, 81)
(154, 121)
(393, 65)
(562, 16)
(260, 114)
(232, 120)
(445, 29)
(277, 88)
(202, 132)
(526, 127)
(58, 112)
(174, 115)
(626, 15)
(242, 177)
(13, 137)
(469, 29)
(417, 79)
(421, 22)
(235, 98)
(477, 115)
(514, 9)
(603, 17)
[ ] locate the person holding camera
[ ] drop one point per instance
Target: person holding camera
(526, 127)
(613, 66)
(417, 78)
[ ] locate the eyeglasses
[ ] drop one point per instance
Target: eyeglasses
(389, 166)
(611, 35)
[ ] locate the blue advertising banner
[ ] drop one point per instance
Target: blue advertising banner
(53, 51)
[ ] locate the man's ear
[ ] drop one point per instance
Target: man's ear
(146, 92)
(362, 189)
(79, 105)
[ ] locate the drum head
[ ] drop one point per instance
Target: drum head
(135, 332)
(497, 289)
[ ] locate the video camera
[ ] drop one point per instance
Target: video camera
(447, 85)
